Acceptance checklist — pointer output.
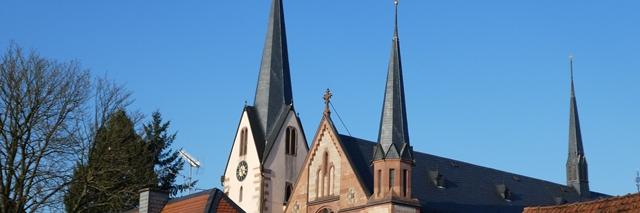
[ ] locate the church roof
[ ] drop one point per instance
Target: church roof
(463, 187)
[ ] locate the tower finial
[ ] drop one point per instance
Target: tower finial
(571, 65)
(395, 23)
(571, 74)
(327, 100)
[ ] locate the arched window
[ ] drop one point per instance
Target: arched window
(287, 192)
(325, 210)
(243, 141)
(319, 184)
(326, 176)
(325, 163)
(240, 195)
(379, 181)
(392, 178)
(331, 180)
(290, 140)
(405, 179)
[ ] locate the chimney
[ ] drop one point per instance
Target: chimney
(152, 201)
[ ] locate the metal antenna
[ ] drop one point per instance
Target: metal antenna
(192, 163)
(638, 180)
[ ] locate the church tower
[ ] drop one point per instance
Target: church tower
(270, 146)
(577, 174)
(393, 155)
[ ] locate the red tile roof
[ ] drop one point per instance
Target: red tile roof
(192, 204)
(212, 200)
(627, 203)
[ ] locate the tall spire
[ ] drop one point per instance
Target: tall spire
(393, 138)
(273, 92)
(577, 175)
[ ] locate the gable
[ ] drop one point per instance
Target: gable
(242, 175)
(344, 180)
(254, 136)
(288, 118)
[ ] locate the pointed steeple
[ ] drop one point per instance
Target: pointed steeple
(393, 138)
(577, 175)
(273, 92)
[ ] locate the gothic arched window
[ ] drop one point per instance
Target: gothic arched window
(331, 177)
(319, 184)
(290, 140)
(243, 141)
(325, 210)
(240, 195)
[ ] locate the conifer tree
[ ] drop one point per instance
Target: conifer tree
(119, 165)
(167, 162)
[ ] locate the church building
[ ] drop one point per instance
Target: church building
(269, 146)
(272, 169)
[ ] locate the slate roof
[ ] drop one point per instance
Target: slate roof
(257, 133)
(273, 99)
(394, 134)
(274, 82)
(467, 187)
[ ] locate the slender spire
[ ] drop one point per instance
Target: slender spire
(273, 92)
(577, 175)
(393, 138)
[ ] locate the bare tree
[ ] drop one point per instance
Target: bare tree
(41, 104)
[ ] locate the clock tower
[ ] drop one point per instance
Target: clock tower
(269, 148)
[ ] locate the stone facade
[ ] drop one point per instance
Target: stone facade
(346, 192)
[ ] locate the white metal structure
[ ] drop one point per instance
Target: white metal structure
(192, 162)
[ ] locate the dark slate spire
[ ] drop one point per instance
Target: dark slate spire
(577, 175)
(274, 85)
(393, 138)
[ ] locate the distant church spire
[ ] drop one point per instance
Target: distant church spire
(393, 138)
(577, 175)
(273, 92)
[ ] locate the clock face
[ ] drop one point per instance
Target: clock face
(242, 170)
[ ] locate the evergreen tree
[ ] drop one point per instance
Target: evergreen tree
(167, 162)
(119, 165)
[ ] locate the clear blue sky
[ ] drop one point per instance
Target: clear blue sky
(486, 81)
